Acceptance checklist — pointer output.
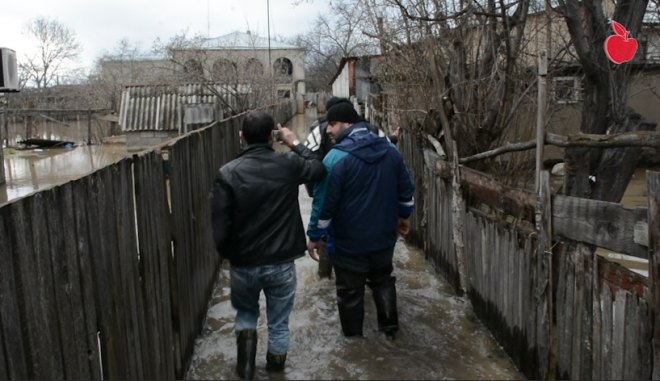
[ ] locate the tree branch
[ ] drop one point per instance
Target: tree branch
(628, 139)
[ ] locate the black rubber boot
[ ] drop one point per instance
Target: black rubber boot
(385, 298)
(246, 343)
(275, 363)
(350, 300)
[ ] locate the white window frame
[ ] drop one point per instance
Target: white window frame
(576, 93)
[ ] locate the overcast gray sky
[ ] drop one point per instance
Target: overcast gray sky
(100, 24)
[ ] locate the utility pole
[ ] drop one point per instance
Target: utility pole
(540, 116)
(542, 96)
(3, 126)
(270, 64)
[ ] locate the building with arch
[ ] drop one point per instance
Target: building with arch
(251, 56)
(166, 96)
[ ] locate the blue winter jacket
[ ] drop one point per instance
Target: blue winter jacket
(366, 190)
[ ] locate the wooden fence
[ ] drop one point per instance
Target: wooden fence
(524, 259)
(109, 275)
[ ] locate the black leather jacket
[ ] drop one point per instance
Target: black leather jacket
(254, 209)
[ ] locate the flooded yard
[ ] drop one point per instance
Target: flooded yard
(31, 170)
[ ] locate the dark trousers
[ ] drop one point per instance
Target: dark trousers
(350, 298)
(325, 266)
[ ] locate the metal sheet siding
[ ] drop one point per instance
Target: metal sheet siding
(162, 108)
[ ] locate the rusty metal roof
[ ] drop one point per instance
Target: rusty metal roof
(167, 108)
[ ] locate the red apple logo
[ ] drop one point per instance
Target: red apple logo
(620, 48)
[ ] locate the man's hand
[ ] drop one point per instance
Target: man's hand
(314, 248)
(288, 137)
(403, 227)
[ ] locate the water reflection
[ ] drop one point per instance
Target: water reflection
(27, 171)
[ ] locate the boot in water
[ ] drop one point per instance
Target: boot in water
(246, 343)
(275, 363)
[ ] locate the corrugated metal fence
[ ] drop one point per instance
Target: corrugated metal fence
(109, 275)
(559, 310)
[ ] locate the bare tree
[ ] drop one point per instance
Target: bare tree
(334, 36)
(605, 109)
(125, 64)
(465, 60)
(56, 47)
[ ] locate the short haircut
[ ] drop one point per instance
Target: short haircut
(257, 126)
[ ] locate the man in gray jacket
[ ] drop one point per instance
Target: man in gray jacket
(257, 226)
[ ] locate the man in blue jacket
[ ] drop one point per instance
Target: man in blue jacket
(364, 200)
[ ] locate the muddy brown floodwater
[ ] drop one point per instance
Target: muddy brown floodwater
(440, 337)
(28, 171)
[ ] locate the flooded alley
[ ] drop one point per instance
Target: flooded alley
(439, 338)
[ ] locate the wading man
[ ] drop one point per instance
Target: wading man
(321, 143)
(364, 200)
(257, 226)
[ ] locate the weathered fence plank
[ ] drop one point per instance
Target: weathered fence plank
(75, 286)
(122, 190)
(543, 274)
(516, 202)
(66, 282)
(601, 223)
(103, 277)
(149, 292)
(597, 327)
(653, 189)
(586, 309)
(10, 320)
(618, 338)
(181, 199)
(88, 286)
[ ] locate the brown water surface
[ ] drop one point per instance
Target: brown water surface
(28, 171)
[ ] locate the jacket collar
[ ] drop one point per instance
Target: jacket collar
(355, 128)
(255, 148)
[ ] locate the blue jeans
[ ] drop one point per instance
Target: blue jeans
(279, 285)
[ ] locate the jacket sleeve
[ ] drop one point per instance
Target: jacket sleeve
(221, 203)
(326, 196)
(310, 168)
(314, 143)
(406, 190)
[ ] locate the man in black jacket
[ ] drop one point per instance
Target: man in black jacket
(257, 226)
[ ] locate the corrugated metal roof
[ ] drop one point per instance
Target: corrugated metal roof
(165, 108)
(247, 41)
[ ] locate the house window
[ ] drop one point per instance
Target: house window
(283, 69)
(566, 89)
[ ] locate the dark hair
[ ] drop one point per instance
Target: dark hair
(257, 126)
